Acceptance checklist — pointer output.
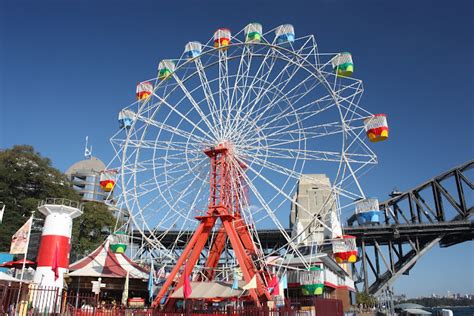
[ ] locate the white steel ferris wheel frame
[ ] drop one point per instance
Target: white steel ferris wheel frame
(225, 113)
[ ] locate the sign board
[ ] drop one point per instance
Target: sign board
(97, 285)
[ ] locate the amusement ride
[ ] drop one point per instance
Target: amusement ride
(214, 147)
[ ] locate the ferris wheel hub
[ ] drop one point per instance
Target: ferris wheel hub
(224, 146)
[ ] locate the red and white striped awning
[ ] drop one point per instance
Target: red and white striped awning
(104, 263)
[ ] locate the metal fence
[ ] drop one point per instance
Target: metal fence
(32, 300)
(310, 306)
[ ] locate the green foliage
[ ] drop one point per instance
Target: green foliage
(365, 299)
(26, 178)
(90, 229)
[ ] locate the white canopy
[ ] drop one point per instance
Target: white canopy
(209, 290)
(6, 277)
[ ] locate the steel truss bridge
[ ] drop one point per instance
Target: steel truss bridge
(436, 212)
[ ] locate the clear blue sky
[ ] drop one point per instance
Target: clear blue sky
(67, 67)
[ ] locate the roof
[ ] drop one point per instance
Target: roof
(416, 311)
(6, 277)
(87, 165)
(322, 257)
(18, 264)
(408, 305)
(298, 261)
(102, 262)
(210, 290)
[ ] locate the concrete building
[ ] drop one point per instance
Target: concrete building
(313, 199)
(85, 178)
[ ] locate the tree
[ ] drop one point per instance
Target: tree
(26, 178)
(365, 299)
(90, 229)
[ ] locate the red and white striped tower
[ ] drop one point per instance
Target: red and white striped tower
(53, 254)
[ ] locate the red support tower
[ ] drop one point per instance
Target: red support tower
(225, 193)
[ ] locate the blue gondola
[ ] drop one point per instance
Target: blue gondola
(285, 34)
(367, 212)
(126, 118)
(193, 49)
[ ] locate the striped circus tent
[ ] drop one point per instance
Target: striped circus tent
(104, 263)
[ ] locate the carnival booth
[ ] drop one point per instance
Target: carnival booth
(112, 267)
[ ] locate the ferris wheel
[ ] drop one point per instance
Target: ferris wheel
(239, 121)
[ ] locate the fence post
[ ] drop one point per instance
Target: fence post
(55, 304)
(64, 301)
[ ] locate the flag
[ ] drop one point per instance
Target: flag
(284, 281)
(252, 284)
(283, 285)
(163, 300)
(125, 291)
(151, 283)
(55, 264)
(235, 284)
(187, 290)
(1, 213)
(161, 274)
(20, 239)
(275, 285)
